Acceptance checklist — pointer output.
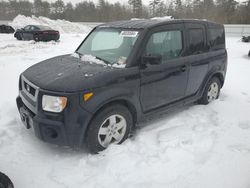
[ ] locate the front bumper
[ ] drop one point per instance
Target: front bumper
(65, 129)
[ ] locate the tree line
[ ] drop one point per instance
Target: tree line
(223, 11)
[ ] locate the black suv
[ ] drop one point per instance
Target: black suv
(122, 72)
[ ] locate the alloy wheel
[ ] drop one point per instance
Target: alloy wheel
(213, 92)
(112, 130)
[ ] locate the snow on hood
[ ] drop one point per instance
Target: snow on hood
(89, 58)
(62, 26)
(92, 59)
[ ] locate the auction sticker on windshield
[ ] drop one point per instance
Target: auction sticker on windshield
(129, 33)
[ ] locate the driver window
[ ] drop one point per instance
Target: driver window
(27, 28)
(168, 44)
(32, 28)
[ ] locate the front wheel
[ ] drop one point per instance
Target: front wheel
(211, 92)
(111, 125)
(18, 37)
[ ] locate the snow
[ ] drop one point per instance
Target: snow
(89, 58)
(162, 18)
(92, 59)
(193, 147)
(62, 26)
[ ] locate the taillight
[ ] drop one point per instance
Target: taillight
(50, 32)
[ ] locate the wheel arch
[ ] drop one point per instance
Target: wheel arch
(220, 76)
(120, 101)
(217, 74)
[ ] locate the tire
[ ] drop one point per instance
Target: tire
(211, 92)
(111, 125)
(5, 182)
(18, 37)
(249, 53)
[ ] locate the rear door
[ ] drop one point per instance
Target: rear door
(166, 82)
(197, 56)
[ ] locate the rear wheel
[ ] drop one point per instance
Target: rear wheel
(211, 92)
(111, 125)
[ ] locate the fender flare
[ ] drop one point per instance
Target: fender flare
(213, 73)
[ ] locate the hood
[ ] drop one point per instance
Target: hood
(68, 74)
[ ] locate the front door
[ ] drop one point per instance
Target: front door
(28, 33)
(166, 82)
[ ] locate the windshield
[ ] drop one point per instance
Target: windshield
(113, 46)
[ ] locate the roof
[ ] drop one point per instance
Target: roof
(147, 23)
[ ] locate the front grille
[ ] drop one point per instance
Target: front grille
(29, 89)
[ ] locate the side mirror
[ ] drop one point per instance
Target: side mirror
(153, 59)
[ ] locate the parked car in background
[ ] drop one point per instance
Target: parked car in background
(37, 33)
(6, 29)
(120, 74)
(245, 39)
(5, 181)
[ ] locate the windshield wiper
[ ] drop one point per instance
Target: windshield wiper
(78, 53)
(105, 61)
(99, 58)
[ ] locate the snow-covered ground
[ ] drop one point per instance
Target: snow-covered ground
(194, 147)
(63, 26)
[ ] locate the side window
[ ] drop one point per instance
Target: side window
(216, 38)
(27, 28)
(168, 44)
(196, 41)
(34, 28)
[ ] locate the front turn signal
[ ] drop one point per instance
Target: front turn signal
(87, 96)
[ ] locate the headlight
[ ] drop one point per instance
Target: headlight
(53, 103)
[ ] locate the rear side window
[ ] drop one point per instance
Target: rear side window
(216, 38)
(196, 41)
(168, 44)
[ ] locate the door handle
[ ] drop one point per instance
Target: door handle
(183, 68)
